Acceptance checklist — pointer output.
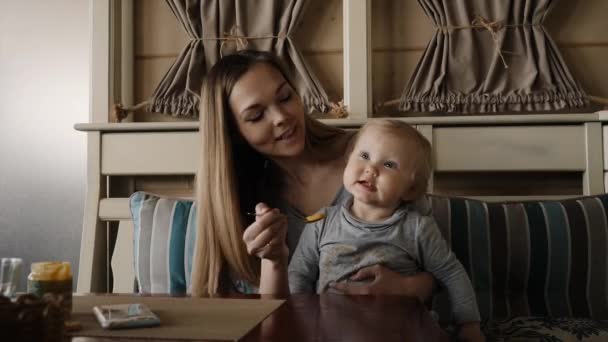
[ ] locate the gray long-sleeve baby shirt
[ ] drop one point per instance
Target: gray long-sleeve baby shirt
(335, 248)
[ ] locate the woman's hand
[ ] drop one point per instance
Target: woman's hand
(266, 237)
(385, 281)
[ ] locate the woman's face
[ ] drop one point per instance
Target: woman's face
(268, 112)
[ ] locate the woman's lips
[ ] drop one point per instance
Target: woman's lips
(288, 134)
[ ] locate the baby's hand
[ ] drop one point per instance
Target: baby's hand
(265, 238)
(371, 280)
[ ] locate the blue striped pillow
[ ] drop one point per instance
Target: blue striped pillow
(163, 242)
(531, 258)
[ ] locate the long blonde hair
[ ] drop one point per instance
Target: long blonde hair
(228, 179)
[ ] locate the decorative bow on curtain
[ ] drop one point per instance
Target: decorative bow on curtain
(490, 56)
(220, 27)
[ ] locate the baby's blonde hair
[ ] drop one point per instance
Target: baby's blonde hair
(422, 158)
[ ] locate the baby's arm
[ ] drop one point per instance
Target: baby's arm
(437, 258)
(304, 265)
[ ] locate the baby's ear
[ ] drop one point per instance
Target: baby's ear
(411, 192)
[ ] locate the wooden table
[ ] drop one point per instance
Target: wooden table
(340, 318)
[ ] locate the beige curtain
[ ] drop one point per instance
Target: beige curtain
(490, 56)
(220, 27)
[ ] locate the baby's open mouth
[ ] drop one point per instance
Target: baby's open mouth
(367, 185)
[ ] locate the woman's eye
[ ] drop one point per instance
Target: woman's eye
(255, 116)
(364, 155)
(285, 97)
(390, 165)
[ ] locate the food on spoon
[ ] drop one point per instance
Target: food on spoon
(315, 217)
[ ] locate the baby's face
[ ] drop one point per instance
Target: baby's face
(379, 171)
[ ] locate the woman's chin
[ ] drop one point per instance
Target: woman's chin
(292, 151)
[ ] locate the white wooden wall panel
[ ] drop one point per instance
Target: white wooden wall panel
(605, 145)
(357, 58)
(427, 132)
(93, 239)
(101, 64)
(113, 209)
(150, 153)
(509, 148)
(122, 260)
(127, 55)
(592, 177)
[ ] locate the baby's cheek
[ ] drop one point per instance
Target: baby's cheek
(349, 177)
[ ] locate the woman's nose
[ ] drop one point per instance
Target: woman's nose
(279, 116)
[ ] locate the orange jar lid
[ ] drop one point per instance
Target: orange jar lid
(50, 270)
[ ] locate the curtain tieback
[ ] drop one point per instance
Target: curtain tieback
(479, 22)
(236, 36)
(338, 109)
(598, 100)
(120, 111)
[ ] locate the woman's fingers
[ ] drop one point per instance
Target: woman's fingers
(276, 248)
(270, 233)
(265, 238)
(273, 250)
(261, 223)
(372, 273)
(261, 208)
(367, 272)
(379, 279)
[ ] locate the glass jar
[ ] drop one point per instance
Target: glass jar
(55, 278)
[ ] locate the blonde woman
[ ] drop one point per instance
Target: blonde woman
(266, 165)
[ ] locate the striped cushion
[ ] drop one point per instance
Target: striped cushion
(536, 258)
(163, 242)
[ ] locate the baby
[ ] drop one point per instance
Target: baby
(387, 171)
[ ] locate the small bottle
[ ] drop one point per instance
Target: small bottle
(52, 277)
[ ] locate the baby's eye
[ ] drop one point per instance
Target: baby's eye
(364, 155)
(390, 164)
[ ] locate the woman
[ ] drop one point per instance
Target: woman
(258, 146)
